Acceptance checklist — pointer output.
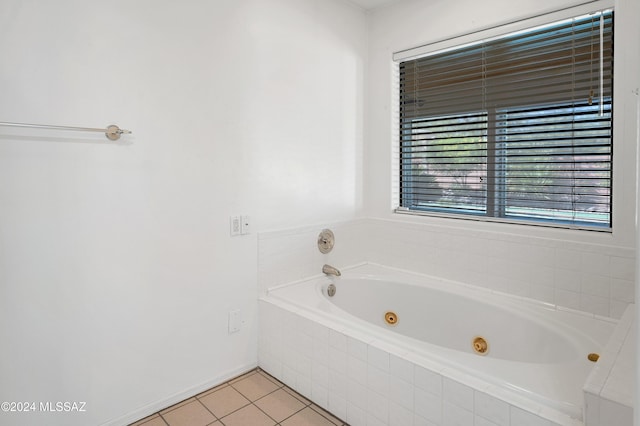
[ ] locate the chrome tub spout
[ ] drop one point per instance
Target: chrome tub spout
(330, 270)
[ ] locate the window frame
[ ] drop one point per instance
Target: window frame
(464, 41)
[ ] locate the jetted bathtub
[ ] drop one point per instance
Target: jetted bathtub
(526, 353)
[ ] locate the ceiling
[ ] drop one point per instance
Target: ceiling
(371, 4)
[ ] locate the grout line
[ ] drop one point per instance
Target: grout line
(264, 396)
(159, 416)
(277, 423)
(253, 403)
(236, 410)
(163, 419)
(207, 408)
(249, 399)
(195, 399)
(297, 412)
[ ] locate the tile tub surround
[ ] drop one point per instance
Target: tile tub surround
(593, 278)
(609, 390)
(367, 383)
(254, 398)
(334, 370)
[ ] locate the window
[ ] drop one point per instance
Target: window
(515, 128)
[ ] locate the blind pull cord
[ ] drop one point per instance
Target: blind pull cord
(601, 64)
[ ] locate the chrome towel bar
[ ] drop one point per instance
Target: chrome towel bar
(112, 132)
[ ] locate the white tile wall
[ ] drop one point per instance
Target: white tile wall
(379, 387)
(595, 278)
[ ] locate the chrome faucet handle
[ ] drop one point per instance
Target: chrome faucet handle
(326, 240)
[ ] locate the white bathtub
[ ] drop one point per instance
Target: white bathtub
(537, 355)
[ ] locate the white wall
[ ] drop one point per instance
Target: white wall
(416, 22)
(117, 270)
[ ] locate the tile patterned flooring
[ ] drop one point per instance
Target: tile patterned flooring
(253, 399)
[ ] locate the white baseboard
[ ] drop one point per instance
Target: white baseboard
(154, 407)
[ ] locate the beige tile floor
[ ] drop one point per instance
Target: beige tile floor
(253, 399)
